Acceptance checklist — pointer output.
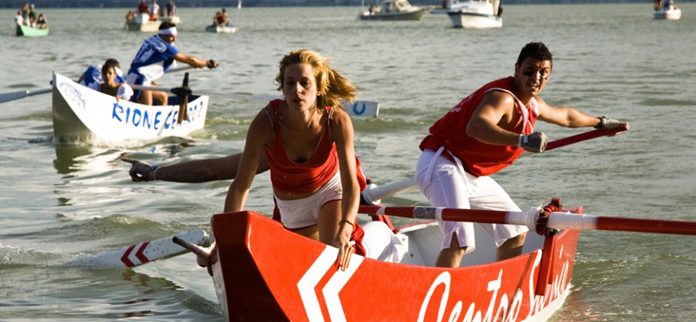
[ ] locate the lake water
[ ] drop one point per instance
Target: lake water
(59, 202)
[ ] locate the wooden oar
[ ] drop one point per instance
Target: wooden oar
(557, 220)
(22, 94)
(144, 252)
(373, 195)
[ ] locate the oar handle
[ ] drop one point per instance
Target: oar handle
(198, 250)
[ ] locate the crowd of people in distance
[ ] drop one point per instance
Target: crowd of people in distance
(26, 16)
(151, 12)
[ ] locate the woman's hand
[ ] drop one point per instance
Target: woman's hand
(344, 244)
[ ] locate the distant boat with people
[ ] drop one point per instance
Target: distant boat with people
(142, 22)
(666, 10)
(29, 24)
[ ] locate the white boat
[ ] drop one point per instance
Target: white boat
(395, 10)
(143, 23)
(477, 14)
(221, 29)
(666, 10)
(83, 114)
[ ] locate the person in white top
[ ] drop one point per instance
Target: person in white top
(19, 19)
(154, 10)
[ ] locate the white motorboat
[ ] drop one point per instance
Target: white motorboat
(477, 14)
(395, 10)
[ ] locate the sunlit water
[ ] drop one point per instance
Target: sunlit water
(59, 203)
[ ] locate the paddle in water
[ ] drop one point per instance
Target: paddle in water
(143, 252)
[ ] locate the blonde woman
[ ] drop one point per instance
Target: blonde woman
(307, 140)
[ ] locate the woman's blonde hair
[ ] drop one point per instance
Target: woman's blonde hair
(332, 87)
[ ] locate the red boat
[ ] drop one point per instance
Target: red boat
(264, 272)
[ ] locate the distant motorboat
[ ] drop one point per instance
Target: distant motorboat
(666, 10)
(395, 10)
(476, 14)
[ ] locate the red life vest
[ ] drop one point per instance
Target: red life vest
(478, 158)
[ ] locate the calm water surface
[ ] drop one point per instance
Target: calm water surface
(59, 203)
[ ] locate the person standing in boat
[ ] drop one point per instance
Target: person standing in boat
(307, 140)
(157, 55)
(486, 132)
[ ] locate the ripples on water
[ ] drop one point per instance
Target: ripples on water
(60, 202)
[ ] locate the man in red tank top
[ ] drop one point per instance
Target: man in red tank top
(486, 132)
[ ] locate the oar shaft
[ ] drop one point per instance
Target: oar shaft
(557, 220)
(181, 69)
(640, 225)
(583, 137)
(451, 214)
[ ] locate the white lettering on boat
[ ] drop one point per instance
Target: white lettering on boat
(500, 308)
(142, 117)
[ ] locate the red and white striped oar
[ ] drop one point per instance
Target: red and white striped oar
(557, 220)
(373, 194)
(144, 252)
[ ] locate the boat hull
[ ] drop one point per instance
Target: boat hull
(147, 26)
(83, 114)
(416, 14)
(220, 29)
(265, 273)
(26, 31)
(462, 19)
(673, 14)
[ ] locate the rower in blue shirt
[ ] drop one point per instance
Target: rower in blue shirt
(157, 55)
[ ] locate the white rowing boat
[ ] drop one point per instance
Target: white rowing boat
(83, 114)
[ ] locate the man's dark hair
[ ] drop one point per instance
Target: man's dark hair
(166, 25)
(536, 50)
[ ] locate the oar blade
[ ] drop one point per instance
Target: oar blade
(143, 252)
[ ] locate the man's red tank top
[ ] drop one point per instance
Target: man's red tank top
(307, 176)
(478, 158)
